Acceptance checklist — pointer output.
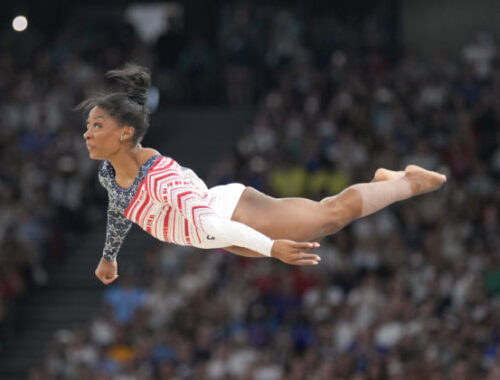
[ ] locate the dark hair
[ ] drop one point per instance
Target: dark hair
(128, 103)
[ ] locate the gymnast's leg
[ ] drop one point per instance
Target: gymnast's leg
(302, 219)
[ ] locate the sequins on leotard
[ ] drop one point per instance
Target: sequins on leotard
(118, 200)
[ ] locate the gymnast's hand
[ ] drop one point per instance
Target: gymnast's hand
(292, 252)
(107, 271)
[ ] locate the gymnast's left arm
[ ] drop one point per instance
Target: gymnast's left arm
(186, 199)
(246, 241)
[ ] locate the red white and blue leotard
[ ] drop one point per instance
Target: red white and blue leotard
(172, 204)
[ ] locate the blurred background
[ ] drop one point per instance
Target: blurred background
(294, 98)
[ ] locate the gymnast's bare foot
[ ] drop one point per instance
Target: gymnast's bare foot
(386, 174)
(423, 181)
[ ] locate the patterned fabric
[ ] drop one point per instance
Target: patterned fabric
(168, 183)
(118, 200)
(172, 204)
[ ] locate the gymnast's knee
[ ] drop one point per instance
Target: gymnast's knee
(338, 212)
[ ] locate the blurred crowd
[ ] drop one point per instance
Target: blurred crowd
(46, 178)
(408, 293)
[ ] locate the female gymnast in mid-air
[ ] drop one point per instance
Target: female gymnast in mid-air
(174, 205)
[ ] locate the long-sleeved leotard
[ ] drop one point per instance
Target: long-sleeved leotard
(174, 205)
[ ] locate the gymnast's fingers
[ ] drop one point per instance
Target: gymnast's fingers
(108, 280)
(305, 245)
(306, 256)
(303, 262)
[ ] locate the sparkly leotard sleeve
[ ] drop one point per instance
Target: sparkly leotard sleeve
(118, 225)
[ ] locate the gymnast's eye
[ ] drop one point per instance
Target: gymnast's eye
(95, 125)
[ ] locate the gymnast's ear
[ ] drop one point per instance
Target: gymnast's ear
(127, 133)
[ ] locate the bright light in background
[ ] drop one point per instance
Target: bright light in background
(20, 23)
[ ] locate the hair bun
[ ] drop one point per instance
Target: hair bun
(133, 80)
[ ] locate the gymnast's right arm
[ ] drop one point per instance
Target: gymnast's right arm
(117, 227)
(116, 230)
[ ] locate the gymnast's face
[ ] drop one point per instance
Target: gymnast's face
(104, 136)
